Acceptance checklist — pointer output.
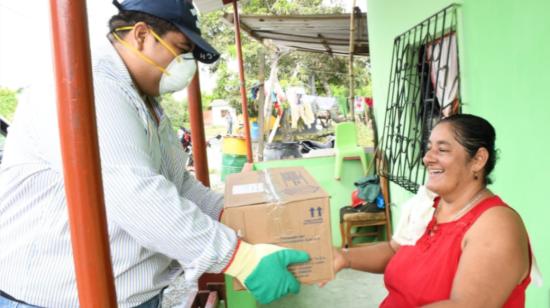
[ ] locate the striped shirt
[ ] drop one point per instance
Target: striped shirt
(160, 218)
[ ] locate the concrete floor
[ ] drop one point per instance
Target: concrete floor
(350, 289)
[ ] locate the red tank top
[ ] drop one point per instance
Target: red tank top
(422, 274)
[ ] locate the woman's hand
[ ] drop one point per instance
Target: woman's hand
(339, 262)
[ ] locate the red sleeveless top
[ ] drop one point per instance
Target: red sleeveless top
(422, 274)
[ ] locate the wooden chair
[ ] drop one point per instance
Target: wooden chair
(378, 220)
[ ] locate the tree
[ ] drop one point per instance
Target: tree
(176, 110)
(8, 102)
(321, 71)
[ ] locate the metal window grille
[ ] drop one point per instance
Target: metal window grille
(423, 88)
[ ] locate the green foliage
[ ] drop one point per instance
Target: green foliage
(364, 91)
(176, 110)
(362, 84)
(207, 99)
(8, 103)
(227, 86)
(286, 7)
(318, 73)
(339, 90)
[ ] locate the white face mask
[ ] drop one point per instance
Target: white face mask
(178, 74)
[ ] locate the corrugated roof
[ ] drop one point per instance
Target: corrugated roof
(312, 33)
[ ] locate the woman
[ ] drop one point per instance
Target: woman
(475, 251)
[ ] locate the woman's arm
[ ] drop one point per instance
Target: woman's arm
(372, 258)
(494, 260)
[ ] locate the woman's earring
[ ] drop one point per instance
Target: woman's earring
(475, 175)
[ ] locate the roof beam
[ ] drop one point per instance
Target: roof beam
(325, 33)
(325, 44)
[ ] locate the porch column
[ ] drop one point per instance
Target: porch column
(197, 131)
(80, 152)
(244, 103)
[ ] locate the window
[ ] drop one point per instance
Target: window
(424, 87)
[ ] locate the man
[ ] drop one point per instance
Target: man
(158, 215)
(229, 123)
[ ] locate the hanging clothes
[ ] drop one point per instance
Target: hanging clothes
(358, 104)
(299, 108)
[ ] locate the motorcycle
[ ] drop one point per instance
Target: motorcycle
(184, 137)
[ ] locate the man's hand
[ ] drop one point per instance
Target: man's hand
(262, 269)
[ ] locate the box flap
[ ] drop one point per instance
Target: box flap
(276, 185)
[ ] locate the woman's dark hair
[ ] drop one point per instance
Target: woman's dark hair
(474, 132)
(130, 18)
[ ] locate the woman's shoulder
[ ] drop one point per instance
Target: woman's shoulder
(499, 234)
(498, 221)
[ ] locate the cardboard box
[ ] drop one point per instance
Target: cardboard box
(285, 207)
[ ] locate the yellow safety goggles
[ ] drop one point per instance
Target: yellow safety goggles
(144, 57)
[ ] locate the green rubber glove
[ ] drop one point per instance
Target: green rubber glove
(262, 269)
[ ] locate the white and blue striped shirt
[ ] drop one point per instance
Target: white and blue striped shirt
(157, 213)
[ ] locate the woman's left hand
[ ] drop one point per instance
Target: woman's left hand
(339, 262)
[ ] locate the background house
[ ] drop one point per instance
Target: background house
(219, 107)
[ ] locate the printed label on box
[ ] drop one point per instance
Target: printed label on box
(248, 188)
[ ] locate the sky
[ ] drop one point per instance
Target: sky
(25, 39)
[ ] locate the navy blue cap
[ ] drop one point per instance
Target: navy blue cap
(182, 14)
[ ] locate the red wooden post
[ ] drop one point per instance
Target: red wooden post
(79, 146)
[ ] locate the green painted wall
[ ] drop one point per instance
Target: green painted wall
(504, 62)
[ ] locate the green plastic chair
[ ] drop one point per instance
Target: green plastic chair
(345, 145)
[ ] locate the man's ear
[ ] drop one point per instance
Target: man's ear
(139, 34)
(480, 159)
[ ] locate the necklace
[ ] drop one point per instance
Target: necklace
(468, 205)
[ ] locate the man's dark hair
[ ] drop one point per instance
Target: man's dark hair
(130, 18)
